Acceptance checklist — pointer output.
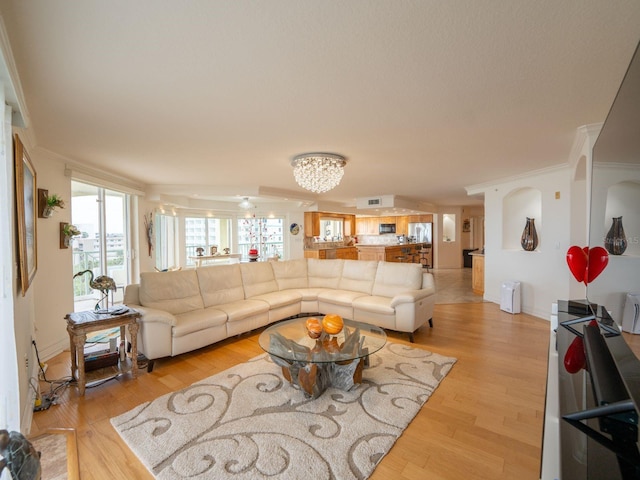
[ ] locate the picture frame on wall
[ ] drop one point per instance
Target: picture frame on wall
(26, 212)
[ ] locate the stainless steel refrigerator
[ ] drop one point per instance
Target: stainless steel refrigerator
(420, 232)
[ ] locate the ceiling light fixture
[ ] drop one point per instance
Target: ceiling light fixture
(246, 204)
(318, 172)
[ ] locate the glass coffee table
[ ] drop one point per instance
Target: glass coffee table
(328, 361)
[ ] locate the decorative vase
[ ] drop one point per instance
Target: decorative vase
(47, 212)
(529, 239)
(615, 241)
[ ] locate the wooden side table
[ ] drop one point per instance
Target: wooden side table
(81, 323)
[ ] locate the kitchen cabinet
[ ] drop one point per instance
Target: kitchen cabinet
(350, 225)
(311, 224)
(391, 254)
(367, 225)
(477, 274)
(388, 220)
(347, 253)
(427, 218)
(319, 254)
(402, 225)
(371, 225)
(374, 253)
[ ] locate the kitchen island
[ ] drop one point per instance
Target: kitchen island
(400, 252)
(347, 253)
(403, 252)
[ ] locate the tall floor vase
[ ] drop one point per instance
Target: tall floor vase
(615, 241)
(529, 239)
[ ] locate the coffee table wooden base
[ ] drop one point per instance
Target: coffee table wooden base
(314, 378)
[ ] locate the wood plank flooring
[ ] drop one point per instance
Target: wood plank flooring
(483, 422)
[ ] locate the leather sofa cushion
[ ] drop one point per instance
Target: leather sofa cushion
(311, 294)
(180, 295)
(340, 297)
(324, 273)
(258, 278)
(220, 284)
(243, 309)
(291, 274)
(393, 278)
(358, 276)
(198, 320)
(280, 299)
(374, 304)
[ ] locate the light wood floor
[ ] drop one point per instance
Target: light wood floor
(483, 422)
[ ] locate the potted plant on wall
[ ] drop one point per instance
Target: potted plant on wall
(53, 201)
(67, 232)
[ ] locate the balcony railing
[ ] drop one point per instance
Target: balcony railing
(90, 260)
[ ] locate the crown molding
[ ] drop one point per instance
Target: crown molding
(483, 187)
(586, 136)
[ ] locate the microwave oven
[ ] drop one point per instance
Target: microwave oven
(387, 228)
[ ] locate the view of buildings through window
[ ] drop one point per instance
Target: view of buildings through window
(237, 234)
(101, 217)
(201, 232)
(264, 234)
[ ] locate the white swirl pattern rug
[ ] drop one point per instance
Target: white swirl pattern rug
(249, 423)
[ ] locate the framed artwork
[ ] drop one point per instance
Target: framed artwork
(26, 210)
(466, 225)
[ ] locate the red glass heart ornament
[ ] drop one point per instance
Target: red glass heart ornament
(574, 359)
(587, 263)
(577, 260)
(598, 260)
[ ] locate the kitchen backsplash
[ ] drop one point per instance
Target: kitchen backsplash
(389, 239)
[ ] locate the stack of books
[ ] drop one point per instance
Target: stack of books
(99, 355)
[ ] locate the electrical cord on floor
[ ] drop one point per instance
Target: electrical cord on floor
(57, 387)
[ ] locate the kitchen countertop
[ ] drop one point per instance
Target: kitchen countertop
(327, 247)
(378, 245)
(366, 245)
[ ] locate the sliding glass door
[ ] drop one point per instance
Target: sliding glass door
(102, 248)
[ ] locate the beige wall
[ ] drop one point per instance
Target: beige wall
(52, 285)
(39, 315)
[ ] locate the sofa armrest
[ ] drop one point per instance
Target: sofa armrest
(150, 315)
(410, 296)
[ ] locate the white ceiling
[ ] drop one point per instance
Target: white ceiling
(214, 98)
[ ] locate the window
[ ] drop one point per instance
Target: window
(103, 247)
(264, 234)
(205, 232)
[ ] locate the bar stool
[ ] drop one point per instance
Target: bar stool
(424, 257)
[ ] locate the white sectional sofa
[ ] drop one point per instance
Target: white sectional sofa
(189, 309)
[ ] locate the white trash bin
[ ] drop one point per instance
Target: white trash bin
(631, 313)
(510, 297)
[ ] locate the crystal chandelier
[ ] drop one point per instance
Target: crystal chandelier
(318, 172)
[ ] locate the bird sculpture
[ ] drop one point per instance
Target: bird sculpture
(101, 283)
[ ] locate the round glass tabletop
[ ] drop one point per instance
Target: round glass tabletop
(290, 341)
